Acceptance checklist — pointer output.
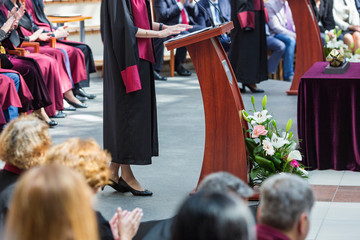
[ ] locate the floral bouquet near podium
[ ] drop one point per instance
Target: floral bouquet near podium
(270, 150)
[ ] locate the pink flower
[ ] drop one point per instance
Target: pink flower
(259, 130)
(294, 163)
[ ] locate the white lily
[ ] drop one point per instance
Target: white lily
(294, 155)
(278, 142)
(268, 147)
(306, 173)
(259, 117)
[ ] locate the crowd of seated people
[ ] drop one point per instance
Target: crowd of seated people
(46, 191)
(45, 79)
(279, 32)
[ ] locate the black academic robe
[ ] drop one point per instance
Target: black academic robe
(248, 52)
(39, 6)
(8, 179)
(130, 122)
(104, 227)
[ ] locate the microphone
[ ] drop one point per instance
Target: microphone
(207, 13)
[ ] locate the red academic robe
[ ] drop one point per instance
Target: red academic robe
(8, 96)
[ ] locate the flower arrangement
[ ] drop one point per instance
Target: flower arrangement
(332, 42)
(269, 151)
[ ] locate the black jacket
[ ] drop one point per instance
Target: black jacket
(324, 15)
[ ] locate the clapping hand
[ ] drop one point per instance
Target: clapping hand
(44, 37)
(128, 223)
(8, 25)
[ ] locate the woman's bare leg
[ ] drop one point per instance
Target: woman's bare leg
(129, 178)
(42, 114)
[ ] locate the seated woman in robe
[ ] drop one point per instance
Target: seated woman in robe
(8, 98)
(17, 92)
(23, 145)
(347, 19)
(87, 158)
(32, 33)
(50, 70)
(37, 11)
(30, 70)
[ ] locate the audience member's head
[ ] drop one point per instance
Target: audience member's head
(224, 181)
(285, 204)
(213, 215)
(51, 203)
(24, 142)
(86, 157)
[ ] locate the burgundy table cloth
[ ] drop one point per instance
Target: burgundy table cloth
(329, 118)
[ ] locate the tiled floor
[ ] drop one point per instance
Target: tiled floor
(336, 214)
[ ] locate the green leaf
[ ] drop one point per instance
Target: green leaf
(254, 172)
(288, 125)
(277, 162)
(352, 46)
(258, 150)
(338, 33)
(265, 163)
(250, 144)
(357, 51)
(264, 101)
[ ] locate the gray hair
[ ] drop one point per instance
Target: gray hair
(224, 181)
(283, 198)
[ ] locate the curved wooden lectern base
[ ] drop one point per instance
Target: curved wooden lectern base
(224, 139)
(309, 46)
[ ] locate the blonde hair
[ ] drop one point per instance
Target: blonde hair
(24, 142)
(86, 157)
(51, 202)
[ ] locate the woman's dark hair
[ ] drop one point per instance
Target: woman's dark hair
(215, 216)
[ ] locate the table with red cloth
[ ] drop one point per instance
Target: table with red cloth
(329, 118)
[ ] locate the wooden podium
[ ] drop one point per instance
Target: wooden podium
(224, 139)
(309, 46)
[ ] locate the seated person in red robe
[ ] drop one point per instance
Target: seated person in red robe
(75, 50)
(284, 211)
(32, 33)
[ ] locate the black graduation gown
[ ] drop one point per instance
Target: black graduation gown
(130, 121)
(248, 52)
(89, 59)
(104, 227)
(7, 186)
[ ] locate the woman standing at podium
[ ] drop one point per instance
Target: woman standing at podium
(248, 52)
(130, 121)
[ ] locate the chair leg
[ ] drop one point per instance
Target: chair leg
(172, 63)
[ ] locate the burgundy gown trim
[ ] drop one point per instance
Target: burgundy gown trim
(246, 19)
(131, 79)
(139, 9)
(11, 168)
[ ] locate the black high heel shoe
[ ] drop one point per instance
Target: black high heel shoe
(253, 90)
(74, 104)
(143, 193)
(115, 186)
